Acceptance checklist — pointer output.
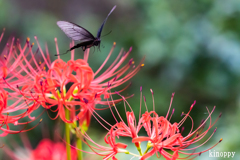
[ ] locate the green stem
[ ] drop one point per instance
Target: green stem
(67, 132)
(79, 146)
(148, 147)
(133, 154)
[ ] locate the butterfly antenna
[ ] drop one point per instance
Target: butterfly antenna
(62, 53)
(106, 34)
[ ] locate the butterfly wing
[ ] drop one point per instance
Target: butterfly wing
(75, 32)
(100, 29)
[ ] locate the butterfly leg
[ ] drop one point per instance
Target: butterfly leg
(83, 48)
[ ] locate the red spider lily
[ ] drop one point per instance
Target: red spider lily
(86, 88)
(13, 106)
(45, 150)
(161, 135)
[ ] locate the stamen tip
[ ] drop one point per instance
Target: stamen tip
(141, 89)
(130, 49)
(220, 115)
(28, 39)
(215, 130)
(214, 108)
(130, 61)
(193, 105)
(151, 91)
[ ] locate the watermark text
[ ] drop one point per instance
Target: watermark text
(213, 153)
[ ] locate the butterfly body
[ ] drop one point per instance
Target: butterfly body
(87, 44)
(78, 33)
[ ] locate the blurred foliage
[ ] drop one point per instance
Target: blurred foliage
(191, 47)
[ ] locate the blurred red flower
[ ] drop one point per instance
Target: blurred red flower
(45, 150)
(49, 150)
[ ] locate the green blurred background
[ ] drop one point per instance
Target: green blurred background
(192, 48)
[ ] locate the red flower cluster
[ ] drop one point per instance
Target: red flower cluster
(30, 79)
(86, 88)
(161, 135)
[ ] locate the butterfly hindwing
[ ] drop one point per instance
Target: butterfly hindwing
(75, 32)
(100, 29)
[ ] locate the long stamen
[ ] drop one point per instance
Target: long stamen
(170, 105)
(140, 103)
(153, 100)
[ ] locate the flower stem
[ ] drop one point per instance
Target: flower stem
(79, 146)
(132, 154)
(148, 147)
(67, 132)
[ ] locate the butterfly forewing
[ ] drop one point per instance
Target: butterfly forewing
(75, 32)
